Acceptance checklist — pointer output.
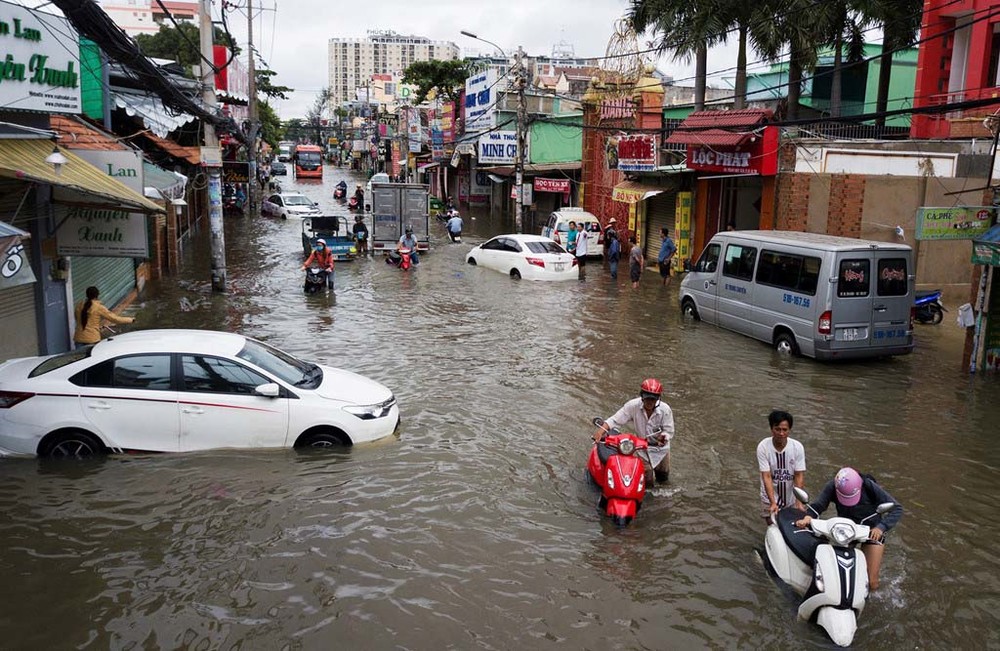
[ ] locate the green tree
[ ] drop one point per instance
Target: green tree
(180, 44)
(799, 26)
(314, 116)
(270, 124)
(295, 129)
(447, 77)
(686, 28)
(900, 20)
(266, 87)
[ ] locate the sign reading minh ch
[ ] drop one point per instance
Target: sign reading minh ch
(39, 61)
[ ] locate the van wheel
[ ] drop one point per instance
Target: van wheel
(688, 309)
(472, 261)
(785, 344)
(515, 274)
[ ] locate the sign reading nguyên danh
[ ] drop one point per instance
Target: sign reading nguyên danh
(39, 61)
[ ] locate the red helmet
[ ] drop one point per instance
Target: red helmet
(651, 388)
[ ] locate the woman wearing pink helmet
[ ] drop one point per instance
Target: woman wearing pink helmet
(646, 413)
(856, 497)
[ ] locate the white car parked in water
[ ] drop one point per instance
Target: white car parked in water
(532, 257)
(184, 390)
(290, 204)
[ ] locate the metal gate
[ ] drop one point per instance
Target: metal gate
(18, 323)
(114, 277)
(660, 211)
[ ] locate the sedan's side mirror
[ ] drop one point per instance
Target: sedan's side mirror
(269, 390)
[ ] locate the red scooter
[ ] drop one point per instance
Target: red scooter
(400, 258)
(622, 479)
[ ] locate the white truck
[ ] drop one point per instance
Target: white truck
(394, 207)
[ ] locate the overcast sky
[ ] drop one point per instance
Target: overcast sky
(294, 39)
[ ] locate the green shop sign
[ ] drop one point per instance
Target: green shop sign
(955, 223)
(39, 61)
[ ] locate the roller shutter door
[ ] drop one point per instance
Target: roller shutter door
(659, 213)
(115, 277)
(17, 322)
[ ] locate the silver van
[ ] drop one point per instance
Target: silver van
(804, 293)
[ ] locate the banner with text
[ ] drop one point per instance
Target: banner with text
(955, 223)
(480, 104)
(497, 148)
(107, 232)
(40, 68)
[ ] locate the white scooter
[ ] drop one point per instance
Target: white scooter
(824, 564)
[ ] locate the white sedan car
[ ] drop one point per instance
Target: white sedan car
(532, 257)
(183, 390)
(290, 204)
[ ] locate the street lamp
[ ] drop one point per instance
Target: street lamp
(521, 122)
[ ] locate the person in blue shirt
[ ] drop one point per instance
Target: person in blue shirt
(409, 241)
(666, 256)
(571, 238)
(614, 252)
(454, 226)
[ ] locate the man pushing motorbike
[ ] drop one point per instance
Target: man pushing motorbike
(647, 413)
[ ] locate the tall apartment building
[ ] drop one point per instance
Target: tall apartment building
(353, 61)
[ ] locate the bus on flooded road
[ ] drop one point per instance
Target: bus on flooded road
(308, 161)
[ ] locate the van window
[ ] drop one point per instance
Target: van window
(552, 221)
(739, 261)
(592, 227)
(789, 271)
(892, 277)
(709, 259)
(854, 278)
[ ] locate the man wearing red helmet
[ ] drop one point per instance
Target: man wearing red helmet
(647, 413)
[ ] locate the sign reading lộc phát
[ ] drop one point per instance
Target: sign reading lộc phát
(104, 231)
(955, 223)
(39, 61)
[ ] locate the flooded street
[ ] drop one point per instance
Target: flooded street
(477, 527)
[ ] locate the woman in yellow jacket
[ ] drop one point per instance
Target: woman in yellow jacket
(90, 317)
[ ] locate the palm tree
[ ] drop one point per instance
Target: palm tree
(797, 25)
(900, 21)
(845, 24)
(685, 27)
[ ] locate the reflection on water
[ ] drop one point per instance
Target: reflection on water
(478, 527)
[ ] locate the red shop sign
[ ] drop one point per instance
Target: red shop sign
(552, 185)
(757, 157)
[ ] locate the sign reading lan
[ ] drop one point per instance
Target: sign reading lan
(39, 61)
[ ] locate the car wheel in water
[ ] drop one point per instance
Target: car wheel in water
(785, 344)
(472, 261)
(688, 309)
(321, 440)
(515, 274)
(73, 444)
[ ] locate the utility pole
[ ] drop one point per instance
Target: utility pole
(521, 82)
(252, 194)
(217, 234)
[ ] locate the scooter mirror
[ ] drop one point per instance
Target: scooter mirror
(885, 507)
(598, 422)
(800, 495)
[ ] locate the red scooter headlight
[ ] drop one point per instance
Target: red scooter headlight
(626, 447)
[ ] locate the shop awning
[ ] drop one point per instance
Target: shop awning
(170, 184)
(986, 248)
(719, 128)
(190, 155)
(7, 230)
(24, 160)
(495, 178)
(150, 109)
(633, 192)
(426, 166)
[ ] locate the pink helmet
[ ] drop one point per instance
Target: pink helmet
(848, 486)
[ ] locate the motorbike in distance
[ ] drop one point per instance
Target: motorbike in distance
(824, 564)
(622, 478)
(340, 191)
(927, 307)
(400, 258)
(353, 204)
